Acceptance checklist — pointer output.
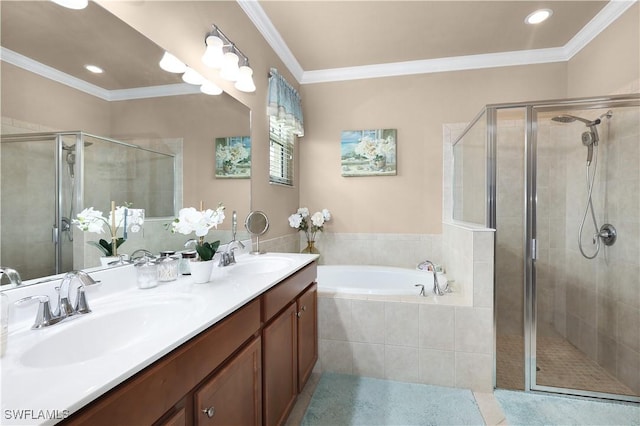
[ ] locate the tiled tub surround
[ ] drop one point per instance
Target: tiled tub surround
(432, 340)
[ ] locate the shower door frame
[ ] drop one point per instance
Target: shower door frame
(59, 165)
(531, 109)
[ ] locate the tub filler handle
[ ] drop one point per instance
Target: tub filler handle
(422, 293)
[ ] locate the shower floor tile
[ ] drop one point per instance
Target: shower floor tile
(560, 365)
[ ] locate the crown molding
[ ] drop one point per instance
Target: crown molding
(257, 15)
(46, 71)
(50, 73)
(609, 13)
(177, 89)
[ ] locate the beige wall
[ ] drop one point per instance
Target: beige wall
(417, 106)
(610, 64)
(180, 27)
(29, 98)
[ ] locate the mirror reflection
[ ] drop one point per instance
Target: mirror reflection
(139, 135)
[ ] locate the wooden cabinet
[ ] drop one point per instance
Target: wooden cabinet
(157, 391)
(307, 306)
(280, 366)
(234, 395)
(245, 370)
(290, 343)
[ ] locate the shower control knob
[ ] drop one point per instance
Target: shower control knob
(608, 234)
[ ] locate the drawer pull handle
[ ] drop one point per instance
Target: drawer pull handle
(210, 412)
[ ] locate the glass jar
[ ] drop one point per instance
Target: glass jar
(147, 273)
(167, 268)
(187, 256)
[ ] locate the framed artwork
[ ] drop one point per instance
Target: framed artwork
(233, 157)
(368, 152)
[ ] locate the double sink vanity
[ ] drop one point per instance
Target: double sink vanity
(236, 350)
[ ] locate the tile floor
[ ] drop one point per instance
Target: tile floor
(561, 365)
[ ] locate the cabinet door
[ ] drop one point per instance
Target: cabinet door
(233, 396)
(307, 305)
(280, 366)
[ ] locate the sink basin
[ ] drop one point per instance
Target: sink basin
(106, 330)
(260, 265)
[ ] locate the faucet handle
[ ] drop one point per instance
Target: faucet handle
(82, 306)
(44, 317)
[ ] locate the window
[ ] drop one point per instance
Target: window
(281, 149)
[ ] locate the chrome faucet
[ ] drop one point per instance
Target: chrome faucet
(436, 285)
(12, 274)
(140, 253)
(64, 310)
(227, 258)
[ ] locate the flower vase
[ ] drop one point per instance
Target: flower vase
(201, 271)
(310, 248)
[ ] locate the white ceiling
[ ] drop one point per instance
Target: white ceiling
(317, 40)
(341, 40)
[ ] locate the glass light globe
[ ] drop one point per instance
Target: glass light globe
(230, 68)
(172, 64)
(213, 56)
(210, 88)
(245, 80)
(192, 76)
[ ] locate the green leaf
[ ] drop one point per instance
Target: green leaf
(206, 251)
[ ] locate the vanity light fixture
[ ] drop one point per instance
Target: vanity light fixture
(538, 16)
(192, 76)
(72, 4)
(172, 64)
(94, 69)
(221, 53)
(209, 88)
(245, 78)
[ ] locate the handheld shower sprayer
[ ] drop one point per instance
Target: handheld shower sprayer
(590, 137)
(607, 233)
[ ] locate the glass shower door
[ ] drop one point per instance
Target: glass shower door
(28, 204)
(586, 304)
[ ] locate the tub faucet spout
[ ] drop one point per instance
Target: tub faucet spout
(436, 285)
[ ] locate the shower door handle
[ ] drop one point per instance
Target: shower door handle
(55, 235)
(534, 249)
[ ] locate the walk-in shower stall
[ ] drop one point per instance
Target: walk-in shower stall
(560, 183)
(47, 178)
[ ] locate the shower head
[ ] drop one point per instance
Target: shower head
(567, 118)
(73, 147)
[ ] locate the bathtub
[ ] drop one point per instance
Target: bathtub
(374, 280)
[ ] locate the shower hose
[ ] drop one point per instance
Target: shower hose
(589, 208)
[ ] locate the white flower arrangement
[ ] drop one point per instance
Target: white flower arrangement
(375, 149)
(200, 222)
(232, 154)
(310, 225)
(91, 220)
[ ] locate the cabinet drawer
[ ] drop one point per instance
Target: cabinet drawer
(145, 397)
(276, 299)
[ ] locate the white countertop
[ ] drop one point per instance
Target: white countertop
(173, 313)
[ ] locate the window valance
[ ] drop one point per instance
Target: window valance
(285, 106)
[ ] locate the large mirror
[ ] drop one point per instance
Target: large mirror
(47, 89)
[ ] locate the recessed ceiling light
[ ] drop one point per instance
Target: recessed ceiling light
(538, 16)
(94, 69)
